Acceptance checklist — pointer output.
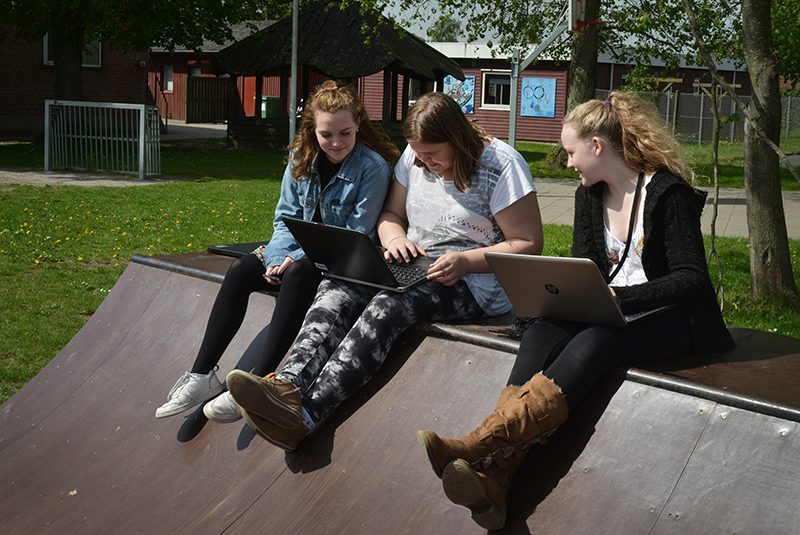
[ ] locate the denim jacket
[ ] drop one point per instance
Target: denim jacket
(353, 199)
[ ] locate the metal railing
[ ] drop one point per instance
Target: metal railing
(101, 136)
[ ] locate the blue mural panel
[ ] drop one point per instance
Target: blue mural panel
(538, 97)
(461, 92)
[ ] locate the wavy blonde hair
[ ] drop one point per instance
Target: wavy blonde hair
(635, 130)
(331, 96)
(437, 118)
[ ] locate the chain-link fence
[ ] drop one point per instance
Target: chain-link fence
(690, 115)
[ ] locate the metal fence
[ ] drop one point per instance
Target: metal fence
(690, 115)
(100, 136)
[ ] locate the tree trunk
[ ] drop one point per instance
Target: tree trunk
(770, 262)
(583, 67)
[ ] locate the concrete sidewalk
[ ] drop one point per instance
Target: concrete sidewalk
(557, 198)
(179, 131)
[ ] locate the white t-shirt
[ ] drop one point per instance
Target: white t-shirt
(443, 219)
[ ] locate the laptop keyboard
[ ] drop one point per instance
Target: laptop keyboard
(406, 274)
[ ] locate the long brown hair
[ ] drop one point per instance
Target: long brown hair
(635, 130)
(331, 96)
(437, 118)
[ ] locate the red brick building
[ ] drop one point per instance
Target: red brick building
(27, 79)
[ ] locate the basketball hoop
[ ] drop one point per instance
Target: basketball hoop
(576, 16)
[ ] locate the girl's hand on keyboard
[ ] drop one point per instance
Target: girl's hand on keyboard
(448, 269)
(402, 250)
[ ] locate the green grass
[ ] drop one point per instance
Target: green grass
(63, 248)
(208, 160)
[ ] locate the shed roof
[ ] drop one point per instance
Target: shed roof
(338, 43)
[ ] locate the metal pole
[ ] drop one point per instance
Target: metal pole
(561, 26)
(788, 101)
(700, 124)
(293, 82)
(47, 135)
(512, 110)
(142, 113)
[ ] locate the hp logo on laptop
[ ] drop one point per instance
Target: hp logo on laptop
(551, 288)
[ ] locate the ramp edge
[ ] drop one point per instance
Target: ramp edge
(177, 268)
(739, 401)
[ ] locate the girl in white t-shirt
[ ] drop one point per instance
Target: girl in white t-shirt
(458, 194)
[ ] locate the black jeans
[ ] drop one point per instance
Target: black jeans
(245, 276)
(575, 355)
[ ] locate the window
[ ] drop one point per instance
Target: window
(195, 71)
(496, 90)
(92, 53)
(166, 83)
(417, 88)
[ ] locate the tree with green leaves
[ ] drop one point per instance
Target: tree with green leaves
(642, 31)
(128, 24)
(703, 31)
(445, 29)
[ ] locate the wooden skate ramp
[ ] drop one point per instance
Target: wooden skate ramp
(663, 451)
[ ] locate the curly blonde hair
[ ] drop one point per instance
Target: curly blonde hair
(437, 118)
(635, 130)
(331, 96)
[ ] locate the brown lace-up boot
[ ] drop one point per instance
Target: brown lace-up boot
(523, 414)
(276, 400)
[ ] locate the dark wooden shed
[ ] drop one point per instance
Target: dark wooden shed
(333, 42)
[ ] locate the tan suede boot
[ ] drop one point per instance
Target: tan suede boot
(523, 415)
(483, 491)
(441, 451)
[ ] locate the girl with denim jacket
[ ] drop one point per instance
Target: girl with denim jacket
(337, 174)
(458, 193)
(639, 221)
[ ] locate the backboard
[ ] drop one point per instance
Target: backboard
(576, 15)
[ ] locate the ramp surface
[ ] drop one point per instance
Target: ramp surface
(81, 452)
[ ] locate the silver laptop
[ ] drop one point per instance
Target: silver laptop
(350, 255)
(561, 288)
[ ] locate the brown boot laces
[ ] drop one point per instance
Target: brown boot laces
(500, 456)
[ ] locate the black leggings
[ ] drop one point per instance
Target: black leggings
(245, 276)
(575, 355)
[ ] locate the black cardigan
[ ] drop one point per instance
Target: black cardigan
(673, 256)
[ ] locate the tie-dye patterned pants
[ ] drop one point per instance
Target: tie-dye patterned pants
(350, 328)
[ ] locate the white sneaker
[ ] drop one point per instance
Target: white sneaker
(222, 409)
(190, 390)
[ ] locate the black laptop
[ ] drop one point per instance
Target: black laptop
(235, 250)
(350, 255)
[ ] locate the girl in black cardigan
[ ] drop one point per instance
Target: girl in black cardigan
(639, 221)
